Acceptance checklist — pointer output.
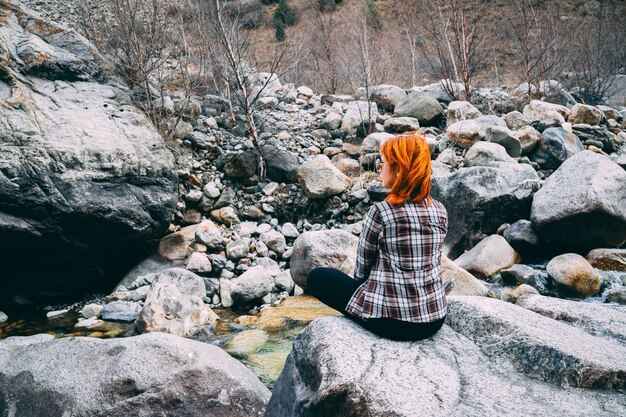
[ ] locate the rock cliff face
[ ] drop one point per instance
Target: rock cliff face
(85, 180)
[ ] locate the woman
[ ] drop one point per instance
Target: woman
(397, 290)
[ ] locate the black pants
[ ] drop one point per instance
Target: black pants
(334, 288)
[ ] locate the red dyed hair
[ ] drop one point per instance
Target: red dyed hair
(409, 157)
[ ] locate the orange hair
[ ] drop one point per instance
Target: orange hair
(409, 157)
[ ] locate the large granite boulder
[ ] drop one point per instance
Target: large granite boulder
(151, 374)
(464, 282)
(479, 365)
(461, 110)
(581, 205)
(175, 305)
(545, 112)
(489, 257)
(574, 275)
(387, 96)
(319, 178)
(357, 114)
(554, 147)
(479, 199)
(333, 248)
(594, 319)
(281, 165)
(86, 181)
(421, 105)
(538, 346)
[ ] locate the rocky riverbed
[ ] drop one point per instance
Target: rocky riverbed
(536, 198)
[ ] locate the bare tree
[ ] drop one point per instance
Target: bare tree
(539, 43)
(324, 45)
(458, 33)
(232, 57)
(147, 43)
(366, 57)
(599, 51)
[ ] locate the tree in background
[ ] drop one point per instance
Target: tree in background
(284, 16)
(539, 44)
(599, 52)
(457, 33)
(146, 40)
(324, 44)
(373, 15)
(366, 62)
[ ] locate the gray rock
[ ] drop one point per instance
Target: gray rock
(240, 165)
(3, 317)
(461, 110)
(289, 230)
(372, 142)
(387, 96)
(464, 133)
(225, 297)
(581, 205)
(526, 341)
(608, 259)
(175, 305)
(464, 282)
(250, 286)
(574, 275)
(422, 106)
(199, 262)
(594, 319)
(555, 147)
(582, 113)
(604, 139)
(54, 377)
(175, 246)
(284, 281)
(325, 248)
(91, 310)
(523, 238)
(480, 199)
(511, 295)
(487, 258)
(616, 295)
(487, 154)
(541, 111)
(226, 216)
(85, 175)
(281, 165)
(319, 178)
(503, 136)
(121, 310)
(523, 274)
(445, 375)
(489, 121)
(515, 120)
(275, 241)
(209, 234)
(401, 124)
(238, 249)
(332, 121)
(358, 113)
(528, 137)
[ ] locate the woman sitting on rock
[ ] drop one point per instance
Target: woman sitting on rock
(397, 290)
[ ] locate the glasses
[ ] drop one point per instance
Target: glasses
(379, 165)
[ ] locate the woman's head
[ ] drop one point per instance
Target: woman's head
(406, 168)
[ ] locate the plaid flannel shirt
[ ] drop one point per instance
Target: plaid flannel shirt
(398, 260)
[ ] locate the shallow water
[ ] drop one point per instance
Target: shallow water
(260, 341)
